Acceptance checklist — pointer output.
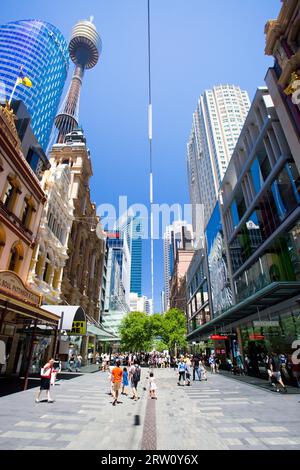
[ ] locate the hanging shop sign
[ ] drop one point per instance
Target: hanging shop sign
(78, 328)
(266, 323)
(11, 284)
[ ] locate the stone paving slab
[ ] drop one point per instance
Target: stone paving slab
(217, 414)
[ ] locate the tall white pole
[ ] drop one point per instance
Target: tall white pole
(15, 86)
(13, 92)
(150, 147)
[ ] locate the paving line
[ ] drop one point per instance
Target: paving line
(149, 439)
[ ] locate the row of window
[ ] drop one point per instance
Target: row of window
(10, 196)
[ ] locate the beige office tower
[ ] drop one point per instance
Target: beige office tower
(217, 123)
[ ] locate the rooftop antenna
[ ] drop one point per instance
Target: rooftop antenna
(91, 18)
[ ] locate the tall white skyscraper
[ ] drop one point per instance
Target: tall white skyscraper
(178, 235)
(217, 123)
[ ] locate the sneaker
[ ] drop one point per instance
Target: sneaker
(50, 401)
(114, 403)
(37, 400)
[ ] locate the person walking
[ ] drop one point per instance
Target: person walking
(71, 362)
(212, 363)
(274, 367)
(55, 370)
(90, 357)
(46, 372)
(187, 371)
(135, 377)
(78, 363)
(152, 386)
(125, 381)
(203, 370)
(181, 371)
(116, 377)
(196, 368)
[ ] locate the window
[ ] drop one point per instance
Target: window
(28, 209)
(10, 193)
(16, 257)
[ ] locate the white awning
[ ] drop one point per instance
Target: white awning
(70, 313)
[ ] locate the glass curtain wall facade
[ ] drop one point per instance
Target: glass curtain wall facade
(263, 246)
(198, 309)
(136, 257)
(221, 294)
(43, 52)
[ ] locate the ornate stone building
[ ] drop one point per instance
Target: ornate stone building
(283, 80)
(82, 274)
(50, 253)
(21, 204)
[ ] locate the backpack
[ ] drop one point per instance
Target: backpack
(137, 374)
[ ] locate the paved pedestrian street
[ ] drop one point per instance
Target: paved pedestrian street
(221, 413)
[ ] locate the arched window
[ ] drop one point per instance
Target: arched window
(28, 209)
(2, 238)
(16, 257)
(11, 191)
(47, 270)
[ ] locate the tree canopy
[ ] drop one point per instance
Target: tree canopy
(140, 332)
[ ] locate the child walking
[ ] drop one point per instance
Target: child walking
(125, 381)
(152, 386)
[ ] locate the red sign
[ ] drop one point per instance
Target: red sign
(218, 337)
(256, 337)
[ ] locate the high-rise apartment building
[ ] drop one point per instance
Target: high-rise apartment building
(217, 123)
(42, 51)
(177, 236)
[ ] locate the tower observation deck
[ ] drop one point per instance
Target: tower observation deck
(85, 48)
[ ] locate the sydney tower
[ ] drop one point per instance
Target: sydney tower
(85, 49)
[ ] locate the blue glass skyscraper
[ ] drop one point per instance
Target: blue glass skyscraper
(136, 258)
(43, 52)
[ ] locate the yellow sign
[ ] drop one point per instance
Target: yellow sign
(12, 284)
(78, 328)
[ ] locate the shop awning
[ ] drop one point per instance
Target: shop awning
(267, 297)
(100, 333)
(69, 314)
(28, 310)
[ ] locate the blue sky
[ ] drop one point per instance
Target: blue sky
(195, 44)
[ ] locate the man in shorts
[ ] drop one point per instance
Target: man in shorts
(116, 377)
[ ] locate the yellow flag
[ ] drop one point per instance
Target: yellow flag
(24, 80)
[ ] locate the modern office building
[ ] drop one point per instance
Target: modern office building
(31, 148)
(216, 126)
(197, 292)
(42, 51)
(116, 273)
(136, 257)
(177, 236)
(260, 213)
(140, 304)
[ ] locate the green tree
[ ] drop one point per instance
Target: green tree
(174, 329)
(135, 332)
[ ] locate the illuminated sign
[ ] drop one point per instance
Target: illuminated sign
(219, 337)
(256, 337)
(78, 328)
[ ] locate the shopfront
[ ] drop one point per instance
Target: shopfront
(28, 333)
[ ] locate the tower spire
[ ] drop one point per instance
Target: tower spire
(85, 49)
